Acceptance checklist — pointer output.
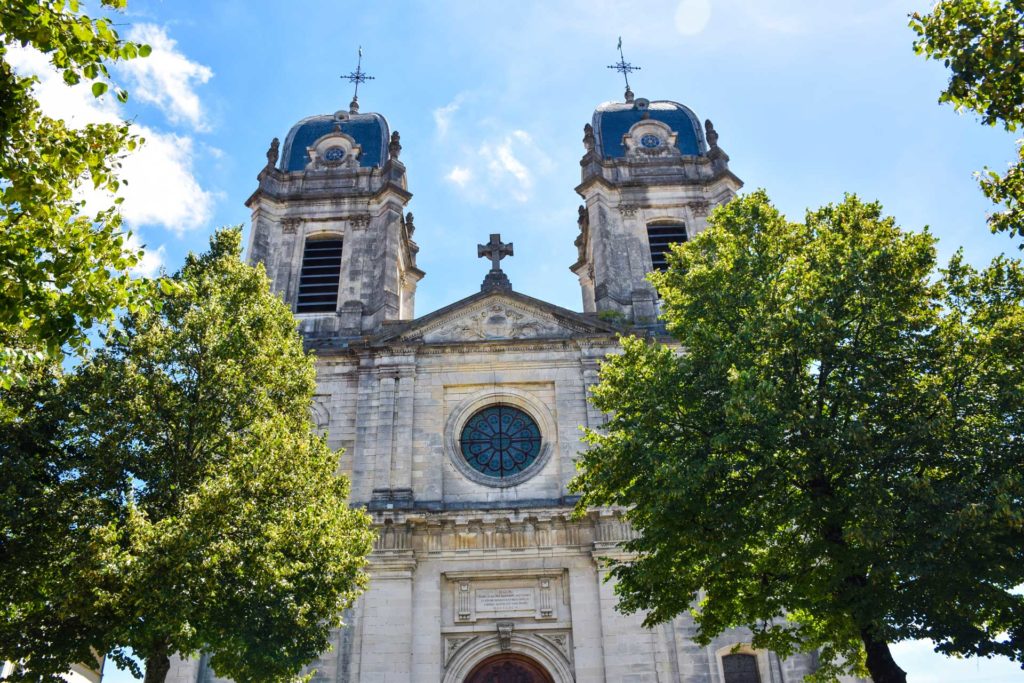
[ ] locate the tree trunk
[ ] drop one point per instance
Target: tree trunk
(157, 666)
(881, 665)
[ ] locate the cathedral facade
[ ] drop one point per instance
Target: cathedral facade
(461, 427)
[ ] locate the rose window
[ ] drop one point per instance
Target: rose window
(500, 441)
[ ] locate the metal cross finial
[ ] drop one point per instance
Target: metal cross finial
(622, 66)
(495, 250)
(358, 76)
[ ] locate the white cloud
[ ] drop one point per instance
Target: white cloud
(692, 16)
(460, 175)
(160, 187)
(152, 259)
(506, 169)
(498, 168)
(167, 78)
(443, 116)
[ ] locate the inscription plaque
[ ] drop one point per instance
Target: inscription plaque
(504, 600)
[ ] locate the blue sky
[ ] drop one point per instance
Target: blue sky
(811, 100)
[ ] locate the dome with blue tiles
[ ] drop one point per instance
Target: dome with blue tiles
(364, 136)
(613, 120)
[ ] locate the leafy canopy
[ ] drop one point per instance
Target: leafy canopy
(62, 270)
(980, 42)
(220, 524)
(831, 454)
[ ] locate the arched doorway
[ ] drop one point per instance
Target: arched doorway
(508, 668)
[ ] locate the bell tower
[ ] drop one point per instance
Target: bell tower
(650, 175)
(329, 223)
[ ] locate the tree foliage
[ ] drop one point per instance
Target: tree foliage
(186, 477)
(834, 459)
(62, 270)
(980, 42)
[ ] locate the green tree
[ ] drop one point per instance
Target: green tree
(980, 42)
(62, 271)
(206, 512)
(49, 556)
(832, 454)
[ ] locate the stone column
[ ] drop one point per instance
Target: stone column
(401, 457)
(387, 620)
(588, 641)
(590, 364)
(364, 463)
(427, 658)
(629, 648)
(385, 431)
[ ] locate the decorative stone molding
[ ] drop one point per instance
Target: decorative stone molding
(588, 137)
(710, 133)
(505, 634)
(392, 537)
(699, 207)
(611, 528)
(496, 321)
(559, 640)
(273, 153)
(319, 413)
(395, 146)
(469, 654)
(499, 317)
(628, 210)
(334, 150)
(546, 606)
(452, 645)
(359, 221)
(290, 226)
(530, 596)
(465, 606)
(649, 138)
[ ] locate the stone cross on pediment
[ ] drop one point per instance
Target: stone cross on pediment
(495, 250)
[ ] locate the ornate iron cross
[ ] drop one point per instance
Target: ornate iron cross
(622, 66)
(358, 76)
(495, 250)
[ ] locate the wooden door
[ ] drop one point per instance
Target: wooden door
(509, 668)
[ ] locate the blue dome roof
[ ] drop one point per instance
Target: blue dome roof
(370, 131)
(612, 120)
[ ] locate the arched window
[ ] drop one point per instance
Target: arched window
(740, 668)
(659, 237)
(321, 270)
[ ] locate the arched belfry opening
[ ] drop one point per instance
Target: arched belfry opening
(509, 668)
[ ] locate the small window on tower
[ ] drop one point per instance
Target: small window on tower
(660, 236)
(321, 270)
(740, 668)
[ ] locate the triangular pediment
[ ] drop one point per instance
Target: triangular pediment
(494, 316)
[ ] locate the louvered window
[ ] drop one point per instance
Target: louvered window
(740, 668)
(660, 236)
(321, 270)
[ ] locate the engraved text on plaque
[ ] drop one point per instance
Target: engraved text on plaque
(504, 600)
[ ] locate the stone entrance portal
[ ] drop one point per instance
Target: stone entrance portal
(508, 668)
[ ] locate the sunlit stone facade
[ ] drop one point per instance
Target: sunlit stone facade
(480, 572)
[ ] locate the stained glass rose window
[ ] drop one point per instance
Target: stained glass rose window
(500, 441)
